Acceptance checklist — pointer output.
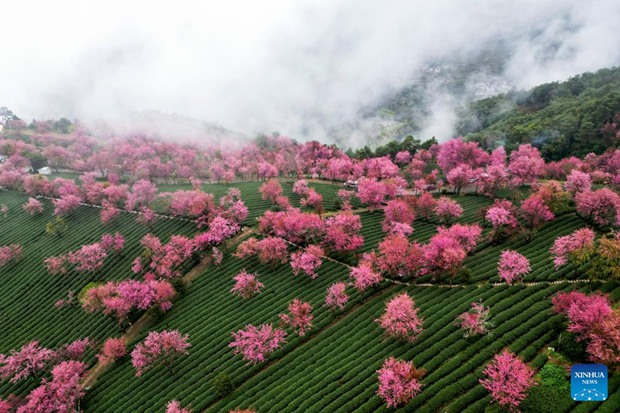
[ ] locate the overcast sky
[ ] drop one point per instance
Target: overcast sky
(299, 67)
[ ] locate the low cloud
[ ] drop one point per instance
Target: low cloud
(308, 69)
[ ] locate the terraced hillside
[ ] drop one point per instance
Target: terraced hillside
(29, 292)
(333, 367)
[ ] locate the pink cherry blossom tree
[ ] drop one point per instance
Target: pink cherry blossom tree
(337, 297)
(59, 395)
(146, 216)
(10, 254)
(508, 379)
(398, 257)
(293, 225)
(495, 178)
(459, 176)
(56, 265)
(456, 152)
(513, 266)
(372, 193)
(425, 206)
(174, 406)
(604, 341)
(534, 212)
(33, 206)
(345, 196)
(159, 348)
(299, 316)
(29, 360)
(402, 157)
(312, 199)
(220, 229)
(300, 187)
(255, 343)
(271, 190)
(467, 236)
(401, 319)
(447, 210)
(475, 321)
(594, 321)
(578, 181)
(399, 382)
(66, 205)
(443, 252)
(364, 277)
(307, 260)
(164, 260)
(342, 233)
(573, 248)
(584, 312)
(501, 215)
(526, 164)
(142, 194)
(246, 285)
(397, 211)
(73, 351)
(89, 258)
(113, 243)
(601, 206)
(112, 349)
(119, 299)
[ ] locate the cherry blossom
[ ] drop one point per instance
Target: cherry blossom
(399, 382)
(401, 319)
(337, 297)
(475, 321)
(513, 266)
(307, 260)
(246, 285)
(255, 343)
(508, 379)
(299, 317)
(163, 348)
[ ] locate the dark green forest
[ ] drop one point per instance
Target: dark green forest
(560, 118)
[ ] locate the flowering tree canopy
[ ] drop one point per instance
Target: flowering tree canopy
(163, 348)
(399, 382)
(246, 285)
(364, 277)
(255, 343)
(29, 360)
(475, 321)
(337, 297)
(601, 206)
(512, 266)
(447, 210)
(299, 317)
(508, 379)
(572, 248)
(307, 260)
(401, 319)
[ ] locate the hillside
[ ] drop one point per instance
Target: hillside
(561, 118)
(263, 278)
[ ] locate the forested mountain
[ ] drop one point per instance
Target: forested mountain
(574, 117)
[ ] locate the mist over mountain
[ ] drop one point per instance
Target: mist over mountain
(350, 72)
(166, 126)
